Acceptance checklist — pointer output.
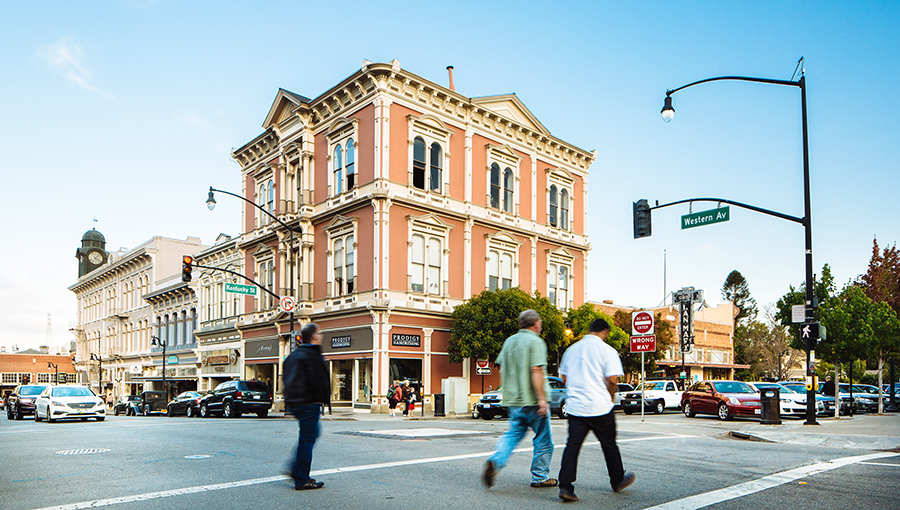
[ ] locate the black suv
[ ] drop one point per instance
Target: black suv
(231, 399)
(21, 401)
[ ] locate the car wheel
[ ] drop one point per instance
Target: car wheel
(688, 410)
(49, 419)
(563, 410)
(37, 417)
(19, 414)
(189, 412)
(115, 412)
(627, 411)
(263, 413)
(228, 410)
(204, 411)
(660, 407)
(146, 410)
(9, 415)
(723, 412)
(487, 416)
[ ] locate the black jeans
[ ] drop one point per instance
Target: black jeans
(604, 427)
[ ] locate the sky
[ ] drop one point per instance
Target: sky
(127, 111)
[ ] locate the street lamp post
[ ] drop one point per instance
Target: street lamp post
(668, 112)
(56, 375)
(155, 340)
(99, 360)
(211, 204)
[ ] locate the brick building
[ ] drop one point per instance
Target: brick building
(37, 366)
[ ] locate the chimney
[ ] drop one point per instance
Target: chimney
(450, 69)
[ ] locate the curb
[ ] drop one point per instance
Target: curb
(749, 437)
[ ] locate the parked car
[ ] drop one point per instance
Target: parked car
(231, 399)
(866, 397)
(121, 405)
(725, 399)
(490, 405)
(827, 401)
(152, 402)
(621, 390)
(659, 395)
(20, 402)
(793, 403)
(844, 394)
(186, 403)
(68, 401)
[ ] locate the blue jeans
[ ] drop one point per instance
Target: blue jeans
(308, 419)
(520, 420)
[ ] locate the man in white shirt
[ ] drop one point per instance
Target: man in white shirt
(591, 370)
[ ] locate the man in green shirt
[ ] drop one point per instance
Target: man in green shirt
(523, 372)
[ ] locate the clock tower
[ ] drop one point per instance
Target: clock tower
(92, 253)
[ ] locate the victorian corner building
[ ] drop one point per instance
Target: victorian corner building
(397, 199)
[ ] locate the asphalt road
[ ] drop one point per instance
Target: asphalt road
(377, 462)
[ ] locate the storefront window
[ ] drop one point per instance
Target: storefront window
(407, 370)
(364, 384)
(341, 382)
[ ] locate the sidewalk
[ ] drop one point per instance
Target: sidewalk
(861, 431)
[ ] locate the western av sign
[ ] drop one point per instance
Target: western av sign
(705, 218)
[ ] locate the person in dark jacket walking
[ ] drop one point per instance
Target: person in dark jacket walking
(306, 387)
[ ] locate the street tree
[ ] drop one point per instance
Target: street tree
(881, 283)
(766, 346)
(480, 325)
(737, 290)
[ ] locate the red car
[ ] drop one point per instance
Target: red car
(725, 399)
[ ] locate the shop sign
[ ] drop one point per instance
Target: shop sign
(217, 360)
(261, 349)
(406, 340)
(340, 341)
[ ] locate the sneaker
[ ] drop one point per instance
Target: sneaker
(489, 473)
(628, 480)
(309, 484)
(567, 495)
(550, 482)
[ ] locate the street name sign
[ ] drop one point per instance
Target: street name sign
(705, 218)
(237, 288)
(643, 343)
(641, 323)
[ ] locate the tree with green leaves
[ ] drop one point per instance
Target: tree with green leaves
(766, 347)
(737, 290)
(481, 325)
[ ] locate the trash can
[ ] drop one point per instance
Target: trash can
(770, 402)
(439, 404)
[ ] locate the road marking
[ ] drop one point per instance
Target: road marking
(270, 479)
(766, 482)
(880, 464)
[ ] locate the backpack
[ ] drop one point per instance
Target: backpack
(390, 393)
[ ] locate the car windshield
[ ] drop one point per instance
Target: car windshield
(653, 385)
(864, 389)
(254, 386)
(767, 386)
(72, 392)
(732, 387)
(31, 390)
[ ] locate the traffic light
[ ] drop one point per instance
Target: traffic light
(641, 219)
(186, 268)
(26, 379)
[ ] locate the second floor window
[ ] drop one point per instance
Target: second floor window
(500, 270)
(426, 264)
(344, 267)
(343, 163)
(427, 176)
(502, 182)
(558, 286)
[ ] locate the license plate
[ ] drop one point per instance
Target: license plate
(629, 402)
(486, 406)
(80, 411)
(757, 411)
(256, 397)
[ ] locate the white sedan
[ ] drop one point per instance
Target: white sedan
(793, 403)
(69, 401)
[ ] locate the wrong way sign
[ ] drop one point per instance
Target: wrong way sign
(643, 343)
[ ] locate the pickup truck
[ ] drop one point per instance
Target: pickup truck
(658, 396)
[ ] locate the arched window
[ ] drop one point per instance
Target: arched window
(564, 209)
(419, 163)
(271, 196)
(495, 186)
(508, 181)
(351, 169)
(436, 167)
(186, 336)
(338, 165)
(506, 271)
(553, 205)
(261, 201)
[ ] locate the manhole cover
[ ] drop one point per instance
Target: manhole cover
(195, 457)
(83, 451)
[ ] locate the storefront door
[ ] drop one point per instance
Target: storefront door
(342, 380)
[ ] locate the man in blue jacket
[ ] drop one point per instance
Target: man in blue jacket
(306, 387)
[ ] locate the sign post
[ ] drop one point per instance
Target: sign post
(643, 337)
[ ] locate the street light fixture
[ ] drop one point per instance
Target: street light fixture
(668, 112)
(211, 204)
(56, 375)
(156, 341)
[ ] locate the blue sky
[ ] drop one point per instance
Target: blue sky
(126, 111)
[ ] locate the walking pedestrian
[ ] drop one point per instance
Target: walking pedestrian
(591, 370)
(523, 374)
(394, 394)
(306, 388)
(405, 396)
